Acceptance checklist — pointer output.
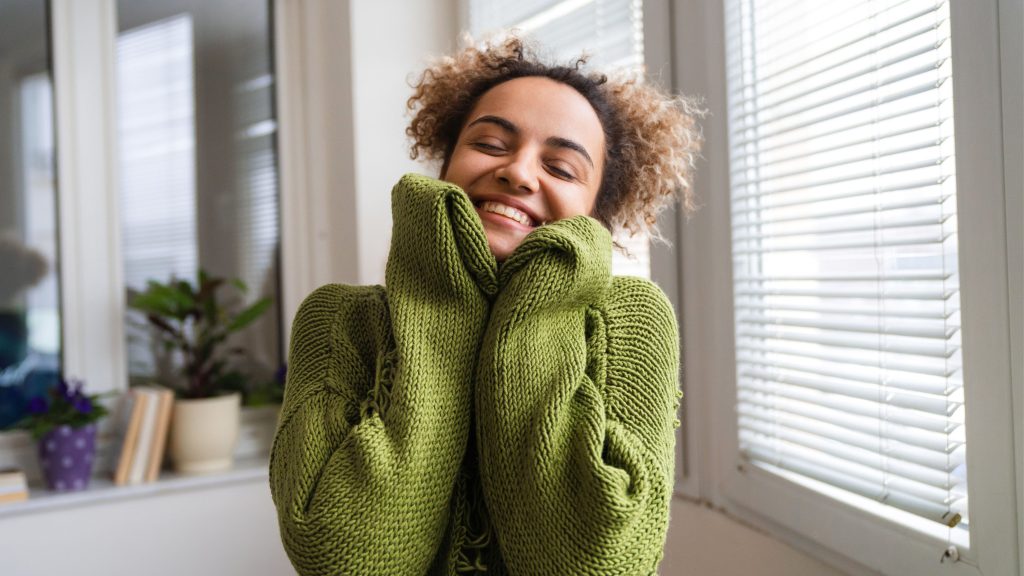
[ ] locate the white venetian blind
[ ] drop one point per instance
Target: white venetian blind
(844, 237)
(156, 119)
(609, 31)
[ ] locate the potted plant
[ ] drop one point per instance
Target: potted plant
(64, 427)
(192, 320)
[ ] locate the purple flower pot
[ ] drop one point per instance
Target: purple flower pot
(66, 455)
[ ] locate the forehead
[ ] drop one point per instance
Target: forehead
(543, 107)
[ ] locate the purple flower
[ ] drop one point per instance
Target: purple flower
(37, 405)
(82, 404)
(62, 389)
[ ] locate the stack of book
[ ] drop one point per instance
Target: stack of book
(145, 420)
(13, 486)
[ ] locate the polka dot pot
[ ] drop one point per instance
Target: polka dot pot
(66, 455)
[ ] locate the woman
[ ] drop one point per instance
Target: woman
(504, 405)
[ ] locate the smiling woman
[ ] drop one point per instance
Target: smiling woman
(517, 165)
(504, 404)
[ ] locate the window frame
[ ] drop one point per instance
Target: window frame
(844, 536)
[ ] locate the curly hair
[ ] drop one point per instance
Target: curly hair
(653, 139)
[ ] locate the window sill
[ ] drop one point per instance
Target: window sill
(256, 434)
(103, 490)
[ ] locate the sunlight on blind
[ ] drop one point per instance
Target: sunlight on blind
(611, 31)
(844, 236)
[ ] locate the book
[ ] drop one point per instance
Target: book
(143, 446)
(163, 422)
(13, 486)
(134, 408)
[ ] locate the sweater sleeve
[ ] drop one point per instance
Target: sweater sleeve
(376, 414)
(576, 397)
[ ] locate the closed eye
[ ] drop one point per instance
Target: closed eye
(486, 147)
(560, 173)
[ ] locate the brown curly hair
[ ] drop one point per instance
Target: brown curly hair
(652, 137)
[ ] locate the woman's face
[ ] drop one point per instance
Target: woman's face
(532, 151)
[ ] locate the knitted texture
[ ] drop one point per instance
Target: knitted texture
(475, 419)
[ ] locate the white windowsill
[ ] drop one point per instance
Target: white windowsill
(251, 464)
(103, 490)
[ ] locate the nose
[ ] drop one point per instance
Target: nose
(519, 173)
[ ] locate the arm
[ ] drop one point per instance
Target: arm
(576, 398)
(374, 426)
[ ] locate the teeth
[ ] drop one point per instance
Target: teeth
(508, 212)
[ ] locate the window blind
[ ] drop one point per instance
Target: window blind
(609, 31)
(156, 117)
(844, 236)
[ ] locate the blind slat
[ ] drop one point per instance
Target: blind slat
(785, 409)
(916, 239)
(881, 207)
(879, 325)
(935, 511)
(924, 86)
(896, 345)
(861, 225)
(872, 401)
(774, 379)
(892, 309)
(942, 461)
(855, 56)
(928, 366)
(763, 433)
(912, 382)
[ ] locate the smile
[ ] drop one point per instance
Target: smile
(507, 211)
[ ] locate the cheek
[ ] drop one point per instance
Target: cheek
(575, 203)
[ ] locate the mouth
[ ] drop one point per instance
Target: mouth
(505, 212)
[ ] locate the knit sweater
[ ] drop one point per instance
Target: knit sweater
(477, 418)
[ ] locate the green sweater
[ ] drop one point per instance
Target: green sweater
(474, 418)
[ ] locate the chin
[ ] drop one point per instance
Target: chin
(501, 245)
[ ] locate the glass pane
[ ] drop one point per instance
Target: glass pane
(30, 344)
(198, 167)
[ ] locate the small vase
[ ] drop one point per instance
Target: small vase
(204, 432)
(66, 455)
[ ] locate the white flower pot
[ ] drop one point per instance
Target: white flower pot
(204, 432)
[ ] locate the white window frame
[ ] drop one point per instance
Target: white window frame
(846, 537)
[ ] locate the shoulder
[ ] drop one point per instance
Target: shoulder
(641, 323)
(338, 304)
(635, 300)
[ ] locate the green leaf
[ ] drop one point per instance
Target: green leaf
(238, 283)
(247, 316)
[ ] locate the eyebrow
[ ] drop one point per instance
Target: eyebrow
(552, 141)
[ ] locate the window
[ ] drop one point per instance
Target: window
(845, 277)
(839, 416)
(610, 31)
(198, 168)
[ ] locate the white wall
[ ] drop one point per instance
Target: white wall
(222, 531)
(392, 41)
